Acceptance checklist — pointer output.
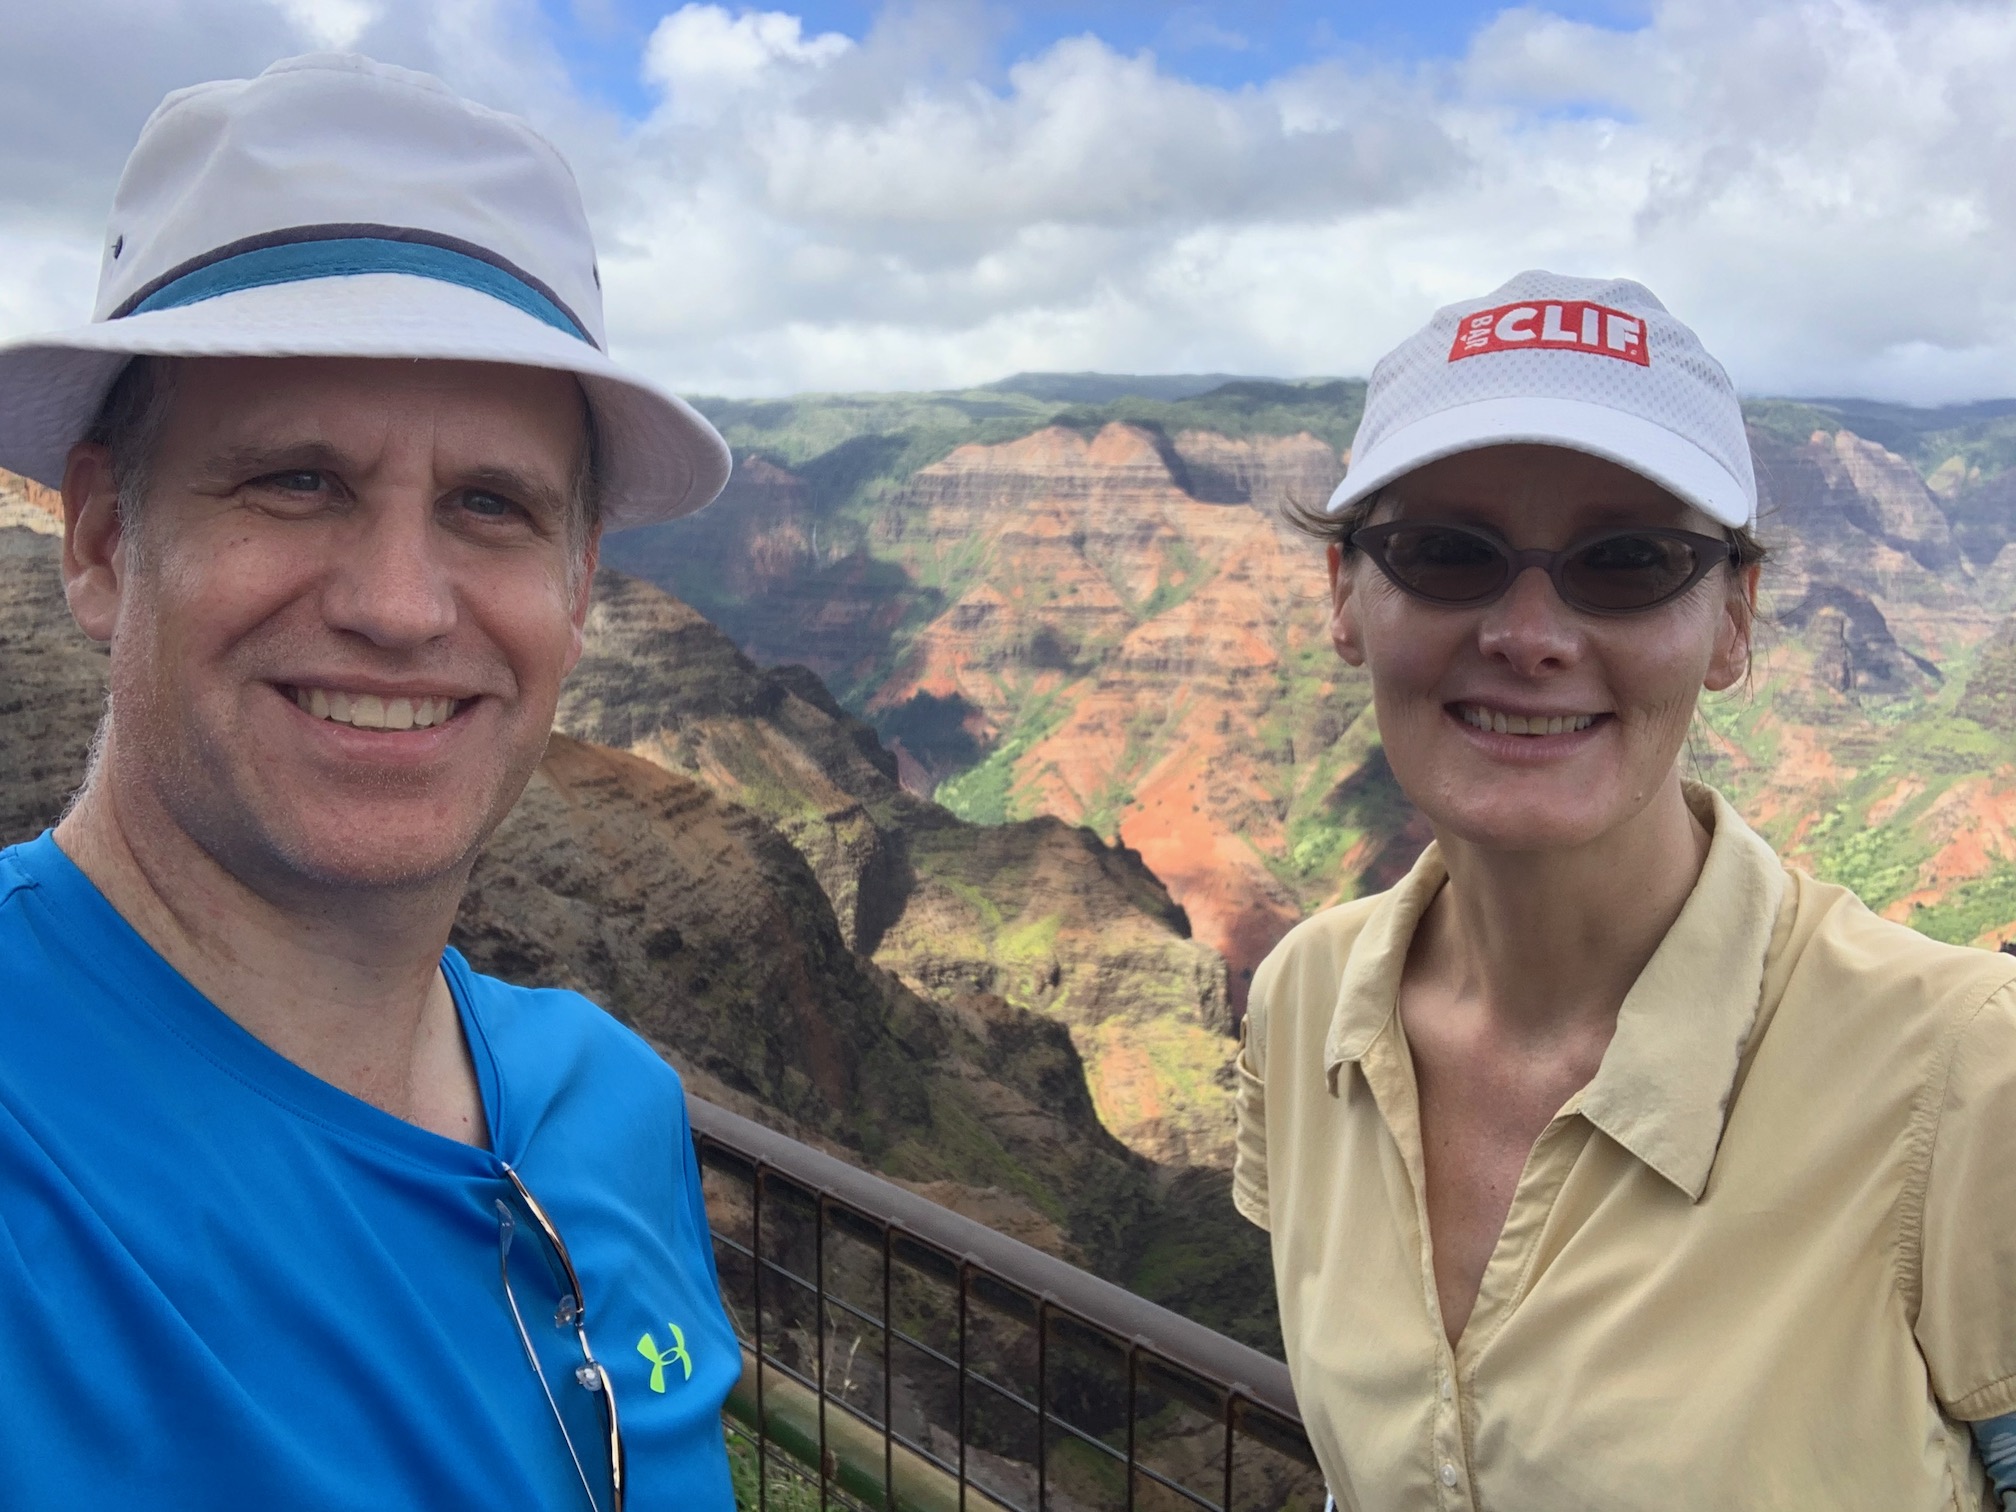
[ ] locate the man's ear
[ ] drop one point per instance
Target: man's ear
(1344, 634)
(1735, 633)
(582, 588)
(94, 569)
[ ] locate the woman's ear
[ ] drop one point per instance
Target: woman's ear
(1344, 634)
(1734, 632)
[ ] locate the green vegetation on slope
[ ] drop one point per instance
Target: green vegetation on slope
(1972, 909)
(1972, 442)
(985, 794)
(1239, 410)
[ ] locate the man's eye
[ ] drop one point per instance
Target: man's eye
(303, 480)
(489, 505)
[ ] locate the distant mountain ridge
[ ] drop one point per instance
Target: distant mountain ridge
(1102, 388)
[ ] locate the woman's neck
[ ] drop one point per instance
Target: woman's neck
(1545, 943)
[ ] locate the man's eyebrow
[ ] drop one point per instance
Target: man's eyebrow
(252, 459)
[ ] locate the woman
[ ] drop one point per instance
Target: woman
(1610, 1164)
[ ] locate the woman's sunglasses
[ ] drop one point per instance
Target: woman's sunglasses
(1616, 572)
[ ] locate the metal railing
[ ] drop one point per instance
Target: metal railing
(901, 1357)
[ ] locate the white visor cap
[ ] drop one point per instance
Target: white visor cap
(339, 207)
(1593, 365)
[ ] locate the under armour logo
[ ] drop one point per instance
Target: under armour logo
(648, 1347)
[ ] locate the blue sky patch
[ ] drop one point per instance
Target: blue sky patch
(1213, 42)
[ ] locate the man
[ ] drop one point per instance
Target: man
(296, 1210)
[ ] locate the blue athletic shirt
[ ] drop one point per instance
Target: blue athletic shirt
(225, 1283)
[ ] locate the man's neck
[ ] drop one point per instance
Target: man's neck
(346, 984)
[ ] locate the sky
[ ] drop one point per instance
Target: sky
(846, 194)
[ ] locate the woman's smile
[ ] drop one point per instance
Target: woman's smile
(1497, 720)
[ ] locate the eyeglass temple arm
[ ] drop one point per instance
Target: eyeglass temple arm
(507, 1227)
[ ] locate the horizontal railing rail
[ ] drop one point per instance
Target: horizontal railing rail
(900, 1355)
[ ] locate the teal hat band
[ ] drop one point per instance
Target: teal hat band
(313, 252)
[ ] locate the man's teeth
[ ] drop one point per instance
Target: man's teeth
(1520, 724)
(367, 711)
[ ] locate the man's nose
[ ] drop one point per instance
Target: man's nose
(392, 584)
(1530, 628)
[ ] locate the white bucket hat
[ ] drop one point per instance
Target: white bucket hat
(338, 207)
(1593, 365)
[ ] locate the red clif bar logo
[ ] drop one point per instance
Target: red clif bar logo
(1572, 325)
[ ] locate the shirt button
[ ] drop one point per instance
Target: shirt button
(1445, 1388)
(1448, 1473)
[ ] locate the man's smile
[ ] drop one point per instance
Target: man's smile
(371, 711)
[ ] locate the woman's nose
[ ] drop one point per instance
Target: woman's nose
(1530, 628)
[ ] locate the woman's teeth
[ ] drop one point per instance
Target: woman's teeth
(1520, 724)
(367, 711)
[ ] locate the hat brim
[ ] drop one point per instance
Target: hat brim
(1652, 451)
(661, 459)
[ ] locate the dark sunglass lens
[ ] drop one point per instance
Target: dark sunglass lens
(1623, 572)
(1450, 566)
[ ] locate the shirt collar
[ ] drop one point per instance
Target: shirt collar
(1663, 1088)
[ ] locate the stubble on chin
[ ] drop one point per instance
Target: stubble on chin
(183, 782)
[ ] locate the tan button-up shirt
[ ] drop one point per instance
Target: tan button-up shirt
(1765, 1259)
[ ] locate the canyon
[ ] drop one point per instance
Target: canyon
(1107, 618)
(933, 795)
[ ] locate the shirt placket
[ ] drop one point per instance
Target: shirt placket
(1389, 1072)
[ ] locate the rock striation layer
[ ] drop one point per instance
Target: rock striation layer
(52, 685)
(1121, 618)
(694, 921)
(1108, 624)
(1039, 914)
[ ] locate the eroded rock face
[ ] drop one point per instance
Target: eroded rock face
(1853, 648)
(1122, 619)
(1263, 470)
(694, 921)
(1990, 696)
(52, 683)
(1040, 914)
(29, 506)
(1177, 643)
(1843, 514)
(754, 562)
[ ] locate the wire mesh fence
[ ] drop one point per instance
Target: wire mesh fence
(901, 1358)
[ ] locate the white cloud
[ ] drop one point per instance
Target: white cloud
(335, 24)
(1825, 188)
(703, 57)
